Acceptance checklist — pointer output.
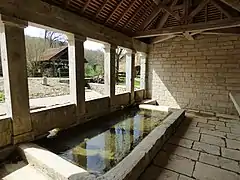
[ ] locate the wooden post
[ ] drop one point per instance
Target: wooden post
(15, 73)
(76, 72)
(130, 71)
(109, 71)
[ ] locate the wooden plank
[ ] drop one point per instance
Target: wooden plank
(235, 4)
(163, 20)
(101, 8)
(221, 9)
(42, 13)
(162, 38)
(85, 6)
(212, 25)
(135, 14)
(125, 12)
(114, 11)
(198, 9)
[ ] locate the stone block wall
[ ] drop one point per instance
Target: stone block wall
(196, 74)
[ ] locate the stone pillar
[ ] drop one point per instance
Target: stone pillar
(109, 71)
(13, 54)
(130, 73)
(143, 63)
(76, 72)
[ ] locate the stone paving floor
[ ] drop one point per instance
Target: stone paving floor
(205, 147)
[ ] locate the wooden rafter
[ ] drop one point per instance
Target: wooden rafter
(163, 20)
(66, 3)
(85, 6)
(114, 11)
(230, 31)
(135, 14)
(235, 4)
(221, 9)
(202, 4)
(101, 8)
(125, 12)
(156, 11)
(186, 10)
(211, 25)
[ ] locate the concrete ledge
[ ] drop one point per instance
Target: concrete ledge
(149, 101)
(134, 164)
(50, 164)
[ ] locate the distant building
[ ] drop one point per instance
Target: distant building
(54, 62)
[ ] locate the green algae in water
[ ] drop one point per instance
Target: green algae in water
(100, 153)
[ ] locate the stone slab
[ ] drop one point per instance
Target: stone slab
(233, 144)
(203, 147)
(154, 172)
(231, 154)
(174, 162)
(207, 172)
(181, 142)
(213, 140)
(181, 151)
(220, 162)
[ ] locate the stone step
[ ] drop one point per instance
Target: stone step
(50, 164)
(26, 172)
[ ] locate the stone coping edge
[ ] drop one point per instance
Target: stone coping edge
(130, 168)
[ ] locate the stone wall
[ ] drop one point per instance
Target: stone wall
(196, 74)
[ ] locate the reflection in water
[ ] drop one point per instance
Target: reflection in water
(100, 153)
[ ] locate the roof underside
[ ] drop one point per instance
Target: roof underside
(133, 16)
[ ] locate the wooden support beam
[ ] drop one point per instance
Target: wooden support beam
(163, 20)
(188, 36)
(235, 4)
(135, 14)
(54, 17)
(125, 12)
(162, 38)
(231, 31)
(110, 16)
(66, 3)
(202, 4)
(101, 8)
(212, 25)
(186, 10)
(221, 9)
(85, 6)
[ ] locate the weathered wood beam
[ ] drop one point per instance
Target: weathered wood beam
(85, 6)
(186, 10)
(135, 14)
(101, 8)
(45, 14)
(221, 9)
(110, 16)
(188, 36)
(66, 3)
(235, 4)
(162, 38)
(125, 12)
(163, 20)
(202, 4)
(230, 31)
(212, 25)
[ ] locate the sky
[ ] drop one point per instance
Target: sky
(38, 32)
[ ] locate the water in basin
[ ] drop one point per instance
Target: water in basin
(100, 145)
